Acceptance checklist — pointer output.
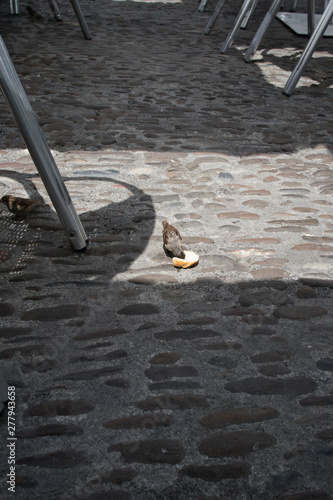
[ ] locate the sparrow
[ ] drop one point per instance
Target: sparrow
(20, 207)
(34, 15)
(172, 240)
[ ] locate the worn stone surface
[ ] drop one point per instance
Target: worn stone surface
(133, 379)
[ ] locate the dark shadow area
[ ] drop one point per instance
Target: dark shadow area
(205, 381)
(151, 80)
(126, 226)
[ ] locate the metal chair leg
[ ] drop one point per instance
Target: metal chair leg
(40, 152)
(246, 7)
(248, 15)
(214, 16)
(81, 19)
(14, 6)
(309, 49)
(55, 10)
(271, 13)
(202, 5)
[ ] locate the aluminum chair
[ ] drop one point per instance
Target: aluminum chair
(270, 15)
(309, 49)
(241, 21)
(40, 153)
(15, 9)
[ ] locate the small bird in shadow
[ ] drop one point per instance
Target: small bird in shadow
(20, 207)
(34, 15)
(172, 240)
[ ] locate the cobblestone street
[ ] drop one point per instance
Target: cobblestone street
(135, 380)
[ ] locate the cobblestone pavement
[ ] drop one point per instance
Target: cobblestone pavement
(135, 380)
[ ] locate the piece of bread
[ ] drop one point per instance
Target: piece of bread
(191, 258)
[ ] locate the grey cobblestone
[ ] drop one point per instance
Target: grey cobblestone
(136, 380)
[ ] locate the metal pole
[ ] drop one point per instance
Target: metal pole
(271, 13)
(41, 155)
(55, 10)
(246, 8)
(81, 19)
(309, 49)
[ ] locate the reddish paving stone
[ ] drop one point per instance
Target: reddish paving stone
(139, 310)
(261, 386)
(139, 422)
(237, 215)
(165, 358)
(60, 407)
(12, 332)
(101, 334)
(270, 356)
(271, 297)
(50, 430)
(108, 495)
(215, 473)
(257, 241)
(163, 372)
(317, 400)
(6, 309)
(269, 273)
(327, 434)
(173, 402)
(55, 460)
(159, 451)
(237, 416)
(235, 443)
(56, 313)
(300, 313)
(273, 370)
(115, 476)
(190, 334)
(308, 495)
(325, 364)
(313, 247)
(219, 346)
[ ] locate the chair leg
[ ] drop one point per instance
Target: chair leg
(202, 5)
(311, 16)
(246, 7)
(248, 15)
(81, 19)
(214, 16)
(309, 49)
(41, 155)
(14, 6)
(55, 10)
(271, 13)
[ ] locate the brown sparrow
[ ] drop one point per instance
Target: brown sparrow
(172, 240)
(20, 207)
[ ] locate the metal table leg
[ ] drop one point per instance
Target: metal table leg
(202, 5)
(271, 13)
(247, 6)
(14, 6)
(81, 19)
(55, 10)
(248, 15)
(40, 152)
(214, 16)
(308, 51)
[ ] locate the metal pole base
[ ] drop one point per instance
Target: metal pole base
(41, 155)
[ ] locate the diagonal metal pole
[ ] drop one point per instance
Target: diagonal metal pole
(309, 49)
(81, 19)
(41, 155)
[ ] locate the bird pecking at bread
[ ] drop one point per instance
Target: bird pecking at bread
(172, 240)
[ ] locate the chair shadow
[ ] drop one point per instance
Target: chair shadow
(118, 231)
